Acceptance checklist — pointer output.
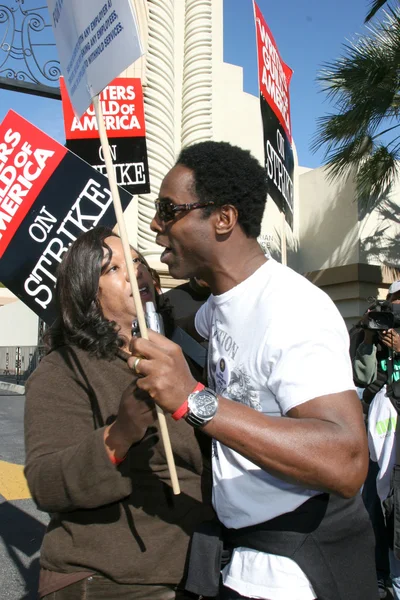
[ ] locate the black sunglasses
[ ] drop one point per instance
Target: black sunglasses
(167, 210)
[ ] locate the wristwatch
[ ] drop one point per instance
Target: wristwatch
(202, 406)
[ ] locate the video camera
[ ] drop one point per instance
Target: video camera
(383, 315)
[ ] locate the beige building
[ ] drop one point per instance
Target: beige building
(350, 251)
(191, 95)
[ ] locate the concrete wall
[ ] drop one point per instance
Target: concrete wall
(379, 227)
(336, 230)
(18, 325)
(349, 249)
(7, 297)
(328, 218)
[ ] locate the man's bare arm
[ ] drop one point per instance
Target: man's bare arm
(321, 444)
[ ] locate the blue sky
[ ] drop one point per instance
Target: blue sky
(307, 32)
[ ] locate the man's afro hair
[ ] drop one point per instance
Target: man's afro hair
(227, 174)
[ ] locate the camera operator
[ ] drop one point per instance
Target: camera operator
(376, 361)
(375, 347)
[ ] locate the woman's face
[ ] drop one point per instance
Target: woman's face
(115, 294)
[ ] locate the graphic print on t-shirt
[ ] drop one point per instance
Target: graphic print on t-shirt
(239, 389)
(223, 372)
(227, 345)
(229, 379)
(224, 376)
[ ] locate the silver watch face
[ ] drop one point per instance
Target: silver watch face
(203, 404)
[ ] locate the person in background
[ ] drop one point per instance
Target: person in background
(94, 457)
(370, 366)
(374, 347)
(187, 298)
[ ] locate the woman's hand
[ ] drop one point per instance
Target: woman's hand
(136, 413)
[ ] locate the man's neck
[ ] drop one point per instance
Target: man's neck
(231, 268)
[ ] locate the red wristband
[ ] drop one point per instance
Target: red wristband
(182, 410)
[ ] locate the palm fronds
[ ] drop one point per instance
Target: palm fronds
(364, 84)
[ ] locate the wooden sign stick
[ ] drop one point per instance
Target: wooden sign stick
(132, 277)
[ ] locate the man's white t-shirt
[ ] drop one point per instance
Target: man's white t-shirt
(275, 341)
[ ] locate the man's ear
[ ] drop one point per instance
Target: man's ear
(226, 219)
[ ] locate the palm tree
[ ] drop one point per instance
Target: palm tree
(362, 137)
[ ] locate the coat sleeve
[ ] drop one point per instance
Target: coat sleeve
(67, 466)
(365, 365)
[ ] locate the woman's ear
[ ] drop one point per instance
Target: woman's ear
(227, 218)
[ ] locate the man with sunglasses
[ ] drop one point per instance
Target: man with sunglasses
(289, 446)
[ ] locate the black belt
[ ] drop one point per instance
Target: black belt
(330, 538)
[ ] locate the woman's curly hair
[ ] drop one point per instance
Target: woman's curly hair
(228, 175)
(80, 320)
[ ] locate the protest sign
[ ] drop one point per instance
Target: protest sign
(96, 40)
(123, 110)
(43, 209)
(274, 80)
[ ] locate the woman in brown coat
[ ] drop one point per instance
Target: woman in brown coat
(94, 457)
